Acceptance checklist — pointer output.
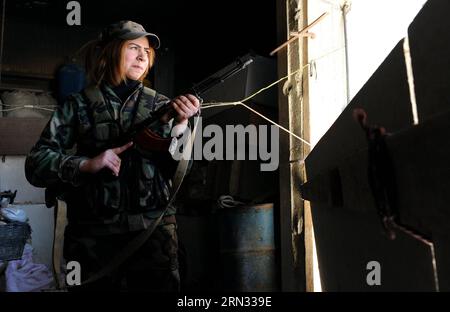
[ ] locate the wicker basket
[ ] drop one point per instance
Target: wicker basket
(13, 237)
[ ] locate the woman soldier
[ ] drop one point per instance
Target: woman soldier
(112, 192)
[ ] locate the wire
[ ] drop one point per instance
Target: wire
(24, 107)
(222, 104)
(227, 201)
(212, 104)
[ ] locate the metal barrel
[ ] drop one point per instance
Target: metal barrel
(247, 248)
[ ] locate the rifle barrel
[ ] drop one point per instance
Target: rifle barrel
(197, 89)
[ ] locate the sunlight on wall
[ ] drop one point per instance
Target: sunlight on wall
(373, 30)
(327, 84)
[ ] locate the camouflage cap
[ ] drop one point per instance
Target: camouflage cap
(128, 30)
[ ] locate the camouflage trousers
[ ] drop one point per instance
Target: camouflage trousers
(154, 267)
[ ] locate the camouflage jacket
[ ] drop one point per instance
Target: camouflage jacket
(87, 124)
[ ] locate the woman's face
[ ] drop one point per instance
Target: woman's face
(136, 57)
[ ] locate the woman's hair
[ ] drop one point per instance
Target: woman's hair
(104, 62)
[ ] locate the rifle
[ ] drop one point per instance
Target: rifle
(148, 140)
(143, 136)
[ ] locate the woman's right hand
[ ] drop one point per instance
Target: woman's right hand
(108, 159)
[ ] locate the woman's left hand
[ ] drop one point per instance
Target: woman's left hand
(186, 106)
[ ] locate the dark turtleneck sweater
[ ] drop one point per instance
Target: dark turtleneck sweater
(125, 88)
